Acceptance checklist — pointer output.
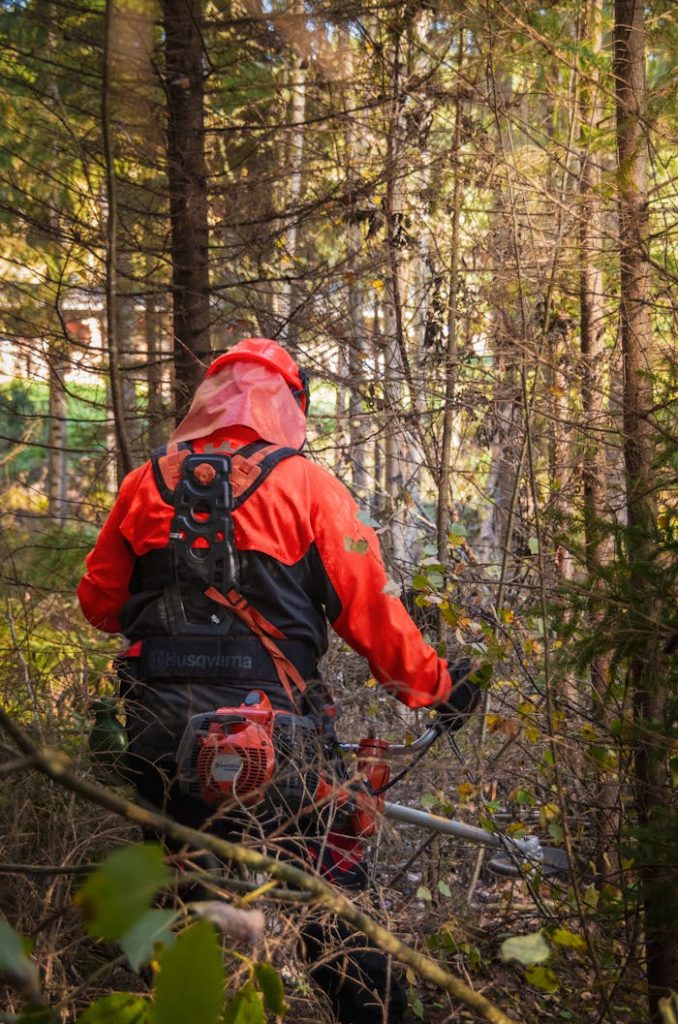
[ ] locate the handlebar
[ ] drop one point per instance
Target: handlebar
(418, 746)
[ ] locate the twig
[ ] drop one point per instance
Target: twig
(46, 869)
(411, 860)
(16, 765)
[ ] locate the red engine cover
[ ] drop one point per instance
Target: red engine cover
(238, 759)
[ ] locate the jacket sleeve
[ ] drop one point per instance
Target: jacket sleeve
(359, 603)
(104, 588)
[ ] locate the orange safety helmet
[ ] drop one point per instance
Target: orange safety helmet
(267, 353)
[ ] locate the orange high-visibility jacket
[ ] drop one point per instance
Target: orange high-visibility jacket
(305, 558)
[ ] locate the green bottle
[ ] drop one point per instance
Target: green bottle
(108, 742)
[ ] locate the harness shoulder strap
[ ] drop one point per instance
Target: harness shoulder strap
(251, 465)
(267, 634)
(167, 462)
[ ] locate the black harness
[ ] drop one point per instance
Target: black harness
(201, 568)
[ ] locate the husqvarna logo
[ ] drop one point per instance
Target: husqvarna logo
(173, 661)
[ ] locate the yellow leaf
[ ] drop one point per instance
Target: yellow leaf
(664, 519)
(564, 937)
(378, 284)
(371, 682)
(542, 977)
(526, 949)
(548, 813)
(526, 708)
(450, 614)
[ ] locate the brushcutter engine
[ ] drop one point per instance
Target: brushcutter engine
(253, 754)
(237, 753)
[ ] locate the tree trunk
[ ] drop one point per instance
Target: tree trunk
(451, 347)
(355, 296)
(652, 792)
(128, 345)
(124, 453)
(57, 435)
(598, 546)
(57, 358)
(156, 408)
(495, 541)
(396, 446)
(187, 177)
(291, 292)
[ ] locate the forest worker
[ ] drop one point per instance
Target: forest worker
(302, 557)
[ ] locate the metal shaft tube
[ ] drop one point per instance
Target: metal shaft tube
(529, 847)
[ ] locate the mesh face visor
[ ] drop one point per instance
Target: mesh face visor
(245, 394)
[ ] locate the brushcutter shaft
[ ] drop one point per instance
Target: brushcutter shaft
(529, 847)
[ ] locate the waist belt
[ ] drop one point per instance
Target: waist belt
(216, 658)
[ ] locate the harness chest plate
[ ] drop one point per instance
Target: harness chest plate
(201, 534)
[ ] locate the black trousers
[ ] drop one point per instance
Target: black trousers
(357, 978)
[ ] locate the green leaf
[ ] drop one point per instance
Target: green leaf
(418, 1008)
(152, 927)
(121, 889)
(420, 582)
(245, 1008)
(444, 889)
(556, 832)
(482, 676)
(190, 982)
(270, 983)
(432, 564)
(424, 893)
(526, 949)
(15, 965)
(428, 801)
(458, 530)
(118, 1008)
(533, 545)
(543, 978)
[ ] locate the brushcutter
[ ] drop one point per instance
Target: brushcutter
(252, 753)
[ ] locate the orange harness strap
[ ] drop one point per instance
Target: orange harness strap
(267, 633)
(171, 462)
(245, 471)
